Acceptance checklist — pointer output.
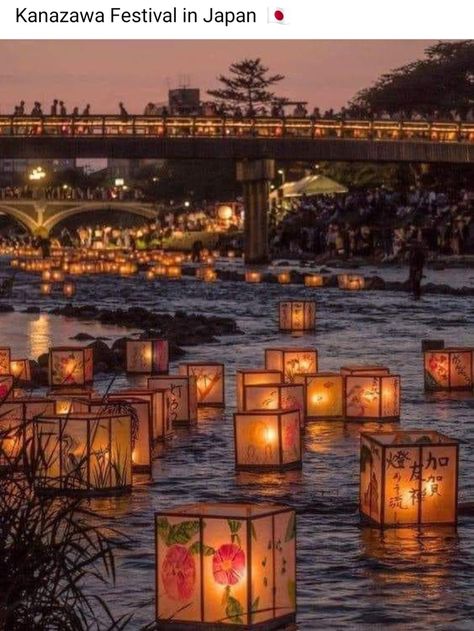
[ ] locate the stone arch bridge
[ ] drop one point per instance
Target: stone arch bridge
(39, 217)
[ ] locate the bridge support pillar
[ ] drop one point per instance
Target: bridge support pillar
(256, 176)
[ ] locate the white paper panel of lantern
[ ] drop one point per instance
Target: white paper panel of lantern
(210, 382)
(291, 361)
(254, 377)
(71, 367)
(148, 357)
(277, 396)
(324, 395)
(183, 396)
(449, 369)
(351, 281)
(67, 400)
(297, 315)
(372, 397)
(162, 426)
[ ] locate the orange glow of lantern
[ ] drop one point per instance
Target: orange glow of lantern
(278, 396)
(21, 370)
(57, 276)
(147, 357)
(324, 395)
(314, 280)
(149, 274)
(210, 382)
(6, 387)
(220, 566)
(87, 453)
(371, 394)
(449, 369)
(69, 289)
(46, 275)
(183, 396)
(351, 282)
(284, 278)
(159, 405)
(254, 377)
(297, 315)
(5, 358)
(253, 277)
(70, 366)
(46, 289)
(408, 478)
(174, 272)
(291, 361)
(267, 440)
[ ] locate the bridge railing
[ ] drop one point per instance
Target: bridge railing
(217, 127)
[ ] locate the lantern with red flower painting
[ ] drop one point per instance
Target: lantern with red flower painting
(221, 566)
(291, 361)
(449, 369)
(70, 366)
(371, 392)
(21, 370)
(297, 315)
(324, 395)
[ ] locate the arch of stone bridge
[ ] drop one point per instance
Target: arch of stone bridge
(133, 209)
(22, 217)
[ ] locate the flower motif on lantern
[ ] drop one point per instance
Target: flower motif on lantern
(178, 573)
(228, 564)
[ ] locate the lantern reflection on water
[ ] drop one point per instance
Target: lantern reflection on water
(408, 478)
(297, 315)
(221, 566)
(183, 396)
(449, 369)
(209, 382)
(371, 392)
(84, 453)
(278, 396)
(70, 366)
(254, 377)
(148, 356)
(267, 441)
(291, 361)
(324, 395)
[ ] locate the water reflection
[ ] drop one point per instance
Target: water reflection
(324, 436)
(39, 335)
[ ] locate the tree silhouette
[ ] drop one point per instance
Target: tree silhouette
(247, 85)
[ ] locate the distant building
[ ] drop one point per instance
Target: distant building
(184, 101)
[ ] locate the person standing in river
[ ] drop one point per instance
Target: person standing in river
(416, 261)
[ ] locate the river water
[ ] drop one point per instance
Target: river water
(349, 577)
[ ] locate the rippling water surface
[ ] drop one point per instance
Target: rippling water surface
(348, 577)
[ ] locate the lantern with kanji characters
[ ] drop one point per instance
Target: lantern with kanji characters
(324, 395)
(87, 453)
(5, 358)
(267, 440)
(221, 566)
(149, 357)
(408, 478)
(210, 382)
(159, 405)
(183, 396)
(371, 393)
(449, 369)
(297, 315)
(71, 366)
(351, 282)
(21, 370)
(291, 361)
(276, 396)
(254, 377)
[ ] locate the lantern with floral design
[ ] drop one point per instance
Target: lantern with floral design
(87, 453)
(449, 369)
(277, 396)
(254, 377)
(71, 366)
(297, 315)
(371, 392)
(183, 396)
(291, 361)
(222, 566)
(210, 382)
(324, 395)
(5, 358)
(408, 478)
(6, 388)
(267, 440)
(159, 405)
(150, 357)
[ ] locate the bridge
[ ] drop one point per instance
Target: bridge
(254, 143)
(40, 217)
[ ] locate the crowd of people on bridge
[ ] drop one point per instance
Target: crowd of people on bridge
(72, 193)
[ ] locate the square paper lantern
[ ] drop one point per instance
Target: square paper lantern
(351, 281)
(183, 397)
(314, 280)
(291, 361)
(449, 369)
(147, 357)
(372, 395)
(70, 366)
(159, 401)
(408, 478)
(84, 453)
(210, 382)
(297, 315)
(277, 396)
(254, 377)
(21, 370)
(67, 400)
(253, 277)
(324, 395)
(12, 433)
(5, 358)
(221, 566)
(267, 441)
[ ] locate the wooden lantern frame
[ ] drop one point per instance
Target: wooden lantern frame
(380, 378)
(449, 351)
(87, 366)
(158, 397)
(279, 355)
(241, 376)
(188, 369)
(280, 404)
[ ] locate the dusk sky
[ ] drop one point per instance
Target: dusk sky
(324, 73)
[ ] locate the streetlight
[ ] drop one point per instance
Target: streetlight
(281, 173)
(37, 174)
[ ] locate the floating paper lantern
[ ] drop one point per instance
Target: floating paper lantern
(291, 361)
(46, 276)
(5, 358)
(46, 289)
(69, 289)
(210, 382)
(449, 369)
(159, 405)
(350, 281)
(150, 274)
(254, 377)
(183, 396)
(6, 387)
(70, 400)
(174, 272)
(284, 278)
(314, 280)
(70, 366)
(12, 433)
(371, 394)
(364, 369)
(57, 276)
(267, 441)
(408, 478)
(324, 395)
(297, 315)
(148, 357)
(277, 396)
(253, 277)
(21, 370)
(221, 566)
(84, 453)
